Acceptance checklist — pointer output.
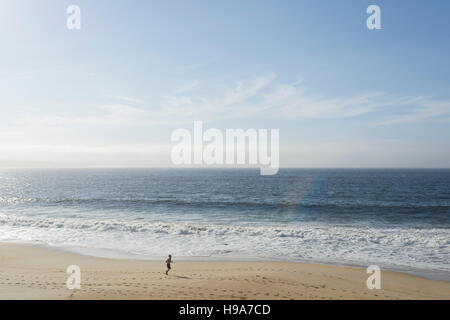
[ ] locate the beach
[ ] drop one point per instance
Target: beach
(396, 219)
(30, 272)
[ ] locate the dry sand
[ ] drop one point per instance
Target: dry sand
(28, 272)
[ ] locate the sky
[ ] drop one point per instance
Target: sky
(111, 93)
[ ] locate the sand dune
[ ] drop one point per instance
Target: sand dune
(28, 272)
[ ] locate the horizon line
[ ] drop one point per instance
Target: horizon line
(227, 168)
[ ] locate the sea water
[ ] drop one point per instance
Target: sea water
(398, 219)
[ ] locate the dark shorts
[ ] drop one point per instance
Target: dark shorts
(168, 266)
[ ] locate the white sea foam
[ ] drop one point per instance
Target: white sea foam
(398, 248)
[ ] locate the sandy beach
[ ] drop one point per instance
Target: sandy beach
(29, 272)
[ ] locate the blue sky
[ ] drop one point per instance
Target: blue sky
(111, 93)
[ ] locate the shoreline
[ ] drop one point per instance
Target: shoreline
(120, 255)
(33, 272)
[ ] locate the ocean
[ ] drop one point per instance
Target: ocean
(398, 219)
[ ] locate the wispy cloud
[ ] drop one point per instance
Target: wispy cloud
(128, 99)
(187, 87)
(262, 96)
(204, 62)
(82, 137)
(425, 110)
